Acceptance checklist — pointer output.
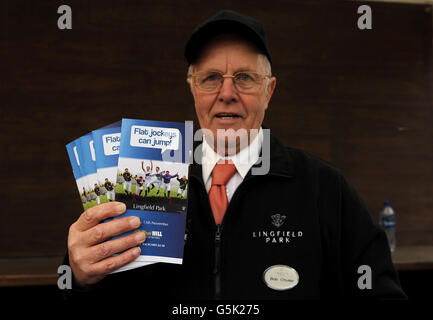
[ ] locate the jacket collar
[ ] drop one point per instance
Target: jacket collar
(281, 161)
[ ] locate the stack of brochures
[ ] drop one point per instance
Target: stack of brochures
(144, 164)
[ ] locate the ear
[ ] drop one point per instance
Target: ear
(271, 87)
(188, 80)
(272, 82)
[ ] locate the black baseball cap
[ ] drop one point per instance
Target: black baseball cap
(227, 21)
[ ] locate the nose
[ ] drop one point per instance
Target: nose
(228, 93)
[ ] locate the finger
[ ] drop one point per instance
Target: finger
(92, 216)
(111, 264)
(109, 248)
(107, 230)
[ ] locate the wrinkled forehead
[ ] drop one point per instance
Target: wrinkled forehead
(229, 49)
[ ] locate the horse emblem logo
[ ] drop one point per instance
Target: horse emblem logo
(278, 220)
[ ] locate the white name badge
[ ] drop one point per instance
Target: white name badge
(280, 277)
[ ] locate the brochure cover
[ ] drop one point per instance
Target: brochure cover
(106, 142)
(153, 165)
(88, 166)
(80, 179)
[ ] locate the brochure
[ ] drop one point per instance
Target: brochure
(144, 164)
(88, 166)
(74, 157)
(153, 166)
(106, 142)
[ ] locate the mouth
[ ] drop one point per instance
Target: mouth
(227, 116)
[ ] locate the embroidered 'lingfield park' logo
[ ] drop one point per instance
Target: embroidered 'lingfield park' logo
(277, 236)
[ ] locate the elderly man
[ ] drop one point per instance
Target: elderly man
(299, 231)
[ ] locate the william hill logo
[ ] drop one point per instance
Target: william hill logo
(157, 234)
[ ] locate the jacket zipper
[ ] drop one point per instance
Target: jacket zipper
(217, 265)
(217, 242)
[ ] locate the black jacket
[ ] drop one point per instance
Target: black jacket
(328, 235)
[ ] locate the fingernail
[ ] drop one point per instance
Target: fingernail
(134, 222)
(137, 251)
(120, 208)
(139, 237)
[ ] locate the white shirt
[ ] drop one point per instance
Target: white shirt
(243, 162)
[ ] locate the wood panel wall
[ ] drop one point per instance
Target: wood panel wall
(361, 99)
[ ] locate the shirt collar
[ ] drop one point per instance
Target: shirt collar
(243, 160)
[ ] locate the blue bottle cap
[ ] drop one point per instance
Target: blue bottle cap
(387, 203)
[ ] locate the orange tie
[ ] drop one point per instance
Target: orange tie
(221, 174)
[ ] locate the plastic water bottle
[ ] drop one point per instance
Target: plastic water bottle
(387, 222)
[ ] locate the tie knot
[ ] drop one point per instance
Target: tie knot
(222, 172)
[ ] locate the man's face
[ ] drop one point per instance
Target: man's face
(228, 55)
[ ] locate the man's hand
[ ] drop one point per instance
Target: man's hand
(90, 257)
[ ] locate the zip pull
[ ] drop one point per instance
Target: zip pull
(218, 234)
(217, 265)
(217, 249)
